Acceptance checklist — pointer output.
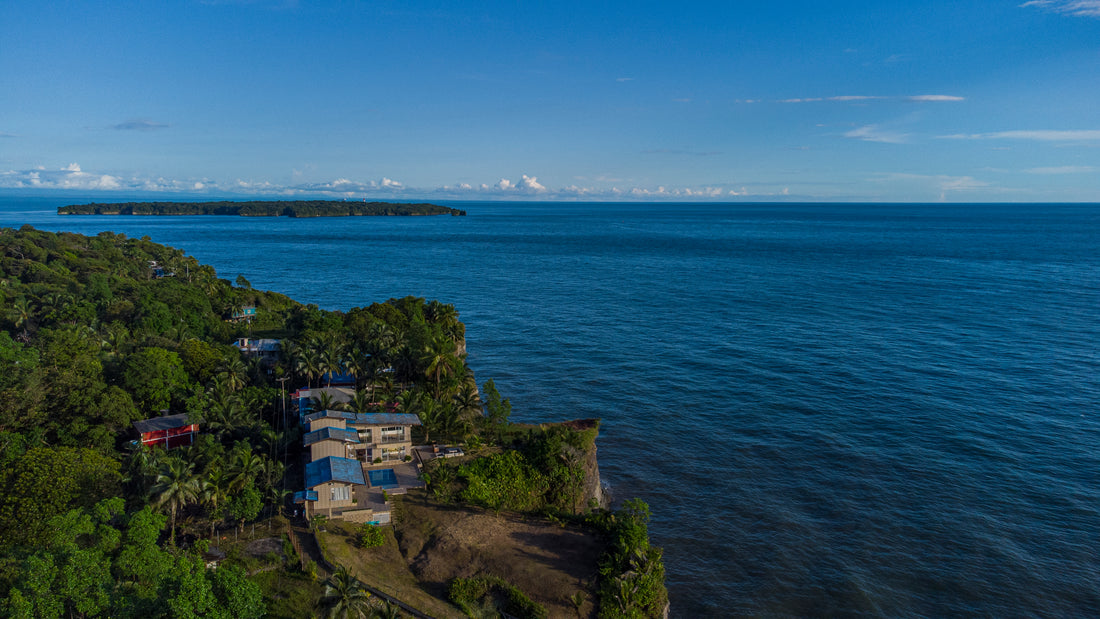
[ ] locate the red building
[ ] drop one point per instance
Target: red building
(167, 432)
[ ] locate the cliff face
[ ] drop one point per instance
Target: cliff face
(592, 488)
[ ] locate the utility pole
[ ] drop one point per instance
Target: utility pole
(282, 396)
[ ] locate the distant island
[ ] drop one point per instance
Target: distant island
(264, 208)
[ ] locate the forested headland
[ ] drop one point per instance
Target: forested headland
(98, 332)
(262, 208)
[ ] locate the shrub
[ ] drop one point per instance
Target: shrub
(370, 536)
(466, 593)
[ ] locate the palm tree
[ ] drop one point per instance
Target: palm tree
(225, 412)
(176, 486)
(215, 491)
(20, 313)
(439, 359)
(385, 610)
(234, 374)
(467, 402)
(344, 597)
(361, 402)
(331, 357)
(308, 364)
(431, 416)
(142, 466)
(244, 467)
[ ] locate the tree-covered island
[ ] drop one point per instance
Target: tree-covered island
(98, 333)
(262, 208)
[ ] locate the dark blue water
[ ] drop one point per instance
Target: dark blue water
(833, 410)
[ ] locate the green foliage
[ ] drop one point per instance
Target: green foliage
(497, 409)
(200, 359)
(97, 564)
(632, 573)
(242, 599)
(49, 481)
(154, 376)
(471, 594)
(246, 504)
(369, 536)
(546, 474)
(503, 481)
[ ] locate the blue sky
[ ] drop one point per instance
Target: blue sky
(857, 101)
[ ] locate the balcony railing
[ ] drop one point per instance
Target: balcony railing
(393, 438)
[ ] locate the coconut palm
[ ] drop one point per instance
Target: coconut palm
(244, 467)
(20, 312)
(344, 597)
(234, 374)
(308, 364)
(176, 486)
(331, 357)
(361, 402)
(215, 492)
(467, 402)
(439, 360)
(385, 610)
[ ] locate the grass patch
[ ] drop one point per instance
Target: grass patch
(490, 592)
(382, 567)
(288, 595)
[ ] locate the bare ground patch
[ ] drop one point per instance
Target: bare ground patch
(548, 562)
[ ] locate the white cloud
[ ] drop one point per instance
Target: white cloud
(624, 79)
(947, 98)
(73, 177)
(530, 183)
(69, 177)
(940, 182)
(1080, 8)
(873, 133)
(851, 98)
(1079, 135)
(1066, 169)
(140, 125)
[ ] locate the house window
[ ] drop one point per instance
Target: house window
(393, 454)
(394, 434)
(365, 436)
(341, 493)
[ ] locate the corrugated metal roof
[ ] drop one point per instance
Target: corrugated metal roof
(162, 423)
(305, 495)
(333, 468)
(329, 415)
(368, 419)
(385, 419)
(330, 434)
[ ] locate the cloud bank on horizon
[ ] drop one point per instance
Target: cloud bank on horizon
(969, 101)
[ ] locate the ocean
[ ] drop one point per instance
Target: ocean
(831, 409)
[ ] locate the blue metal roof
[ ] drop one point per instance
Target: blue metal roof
(333, 434)
(305, 495)
(329, 415)
(385, 419)
(333, 468)
(368, 419)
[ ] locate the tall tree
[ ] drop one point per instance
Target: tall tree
(177, 485)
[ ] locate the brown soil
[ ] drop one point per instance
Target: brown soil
(548, 562)
(264, 546)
